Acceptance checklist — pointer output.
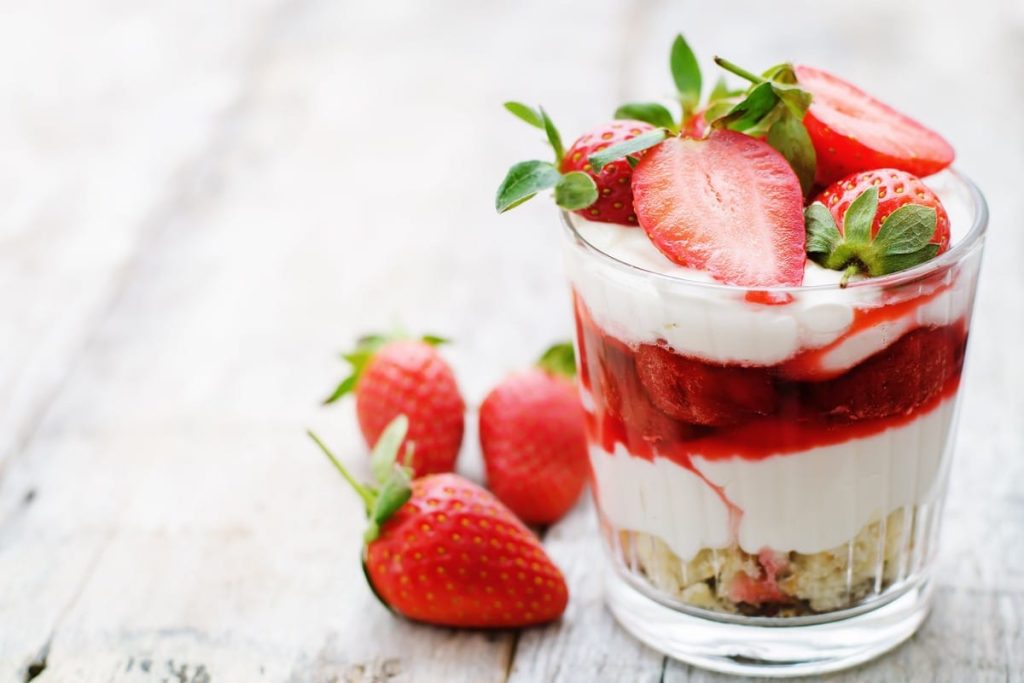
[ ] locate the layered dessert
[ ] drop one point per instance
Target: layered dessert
(772, 296)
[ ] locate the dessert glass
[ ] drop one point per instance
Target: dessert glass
(769, 467)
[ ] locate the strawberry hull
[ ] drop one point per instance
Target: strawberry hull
(769, 453)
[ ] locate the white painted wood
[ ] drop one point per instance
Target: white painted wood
(203, 202)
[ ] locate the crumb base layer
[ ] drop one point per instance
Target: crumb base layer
(779, 648)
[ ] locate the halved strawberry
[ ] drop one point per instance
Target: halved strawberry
(728, 204)
(852, 131)
(894, 381)
(703, 393)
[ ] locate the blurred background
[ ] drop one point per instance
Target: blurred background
(202, 203)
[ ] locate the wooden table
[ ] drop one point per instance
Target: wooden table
(202, 202)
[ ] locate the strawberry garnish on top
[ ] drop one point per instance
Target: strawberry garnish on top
(600, 193)
(614, 203)
(729, 204)
(875, 223)
(852, 131)
(393, 375)
(534, 440)
(444, 551)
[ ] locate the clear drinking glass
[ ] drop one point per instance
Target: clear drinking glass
(769, 467)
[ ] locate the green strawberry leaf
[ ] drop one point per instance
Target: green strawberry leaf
(523, 181)
(367, 494)
(624, 149)
(528, 114)
(759, 102)
(686, 74)
(789, 136)
(822, 234)
(720, 91)
(859, 216)
(649, 112)
(344, 387)
(385, 451)
(394, 493)
(576, 190)
(560, 359)
(892, 263)
(632, 161)
(434, 340)
(553, 137)
(907, 230)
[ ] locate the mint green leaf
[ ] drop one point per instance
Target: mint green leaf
(789, 136)
(344, 387)
(528, 114)
(685, 73)
(576, 190)
(631, 146)
(822, 234)
(560, 359)
(385, 451)
(746, 114)
(524, 180)
(554, 139)
(649, 112)
(907, 229)
(860, 215)
(893, 263)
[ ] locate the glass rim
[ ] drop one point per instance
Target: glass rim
(948, 258)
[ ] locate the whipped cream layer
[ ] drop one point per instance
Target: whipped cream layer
(721, 325)
(806, 502)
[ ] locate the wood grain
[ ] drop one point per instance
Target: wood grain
(204, 202)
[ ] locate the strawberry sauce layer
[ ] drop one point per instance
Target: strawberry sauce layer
(653, 400)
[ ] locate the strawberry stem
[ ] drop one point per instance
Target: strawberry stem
(738, 70)
(368, 495)
(850, 271)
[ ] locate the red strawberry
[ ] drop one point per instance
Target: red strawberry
(875, 223)
(895, 189)
(765, 587)
(894, 381)
(444, 551)
(615, 196)
(394, 377)
(703, 393)
(728, 204)
(534, 440)
(852, 131)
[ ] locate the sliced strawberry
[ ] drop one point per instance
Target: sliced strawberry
(728, 204)
(852, 131)
(703, 393)
(615, 197)
(765, 588)
(895, 189)
(894, 381)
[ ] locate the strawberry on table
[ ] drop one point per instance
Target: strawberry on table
(875, 223)
(441, 550)
(534, 441)
(393, 376)
(729, 204)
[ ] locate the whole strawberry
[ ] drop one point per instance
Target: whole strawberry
(534, 441)
(394, 376)
(441, 550)
(876, 222)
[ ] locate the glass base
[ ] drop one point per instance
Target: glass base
(777, 650)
